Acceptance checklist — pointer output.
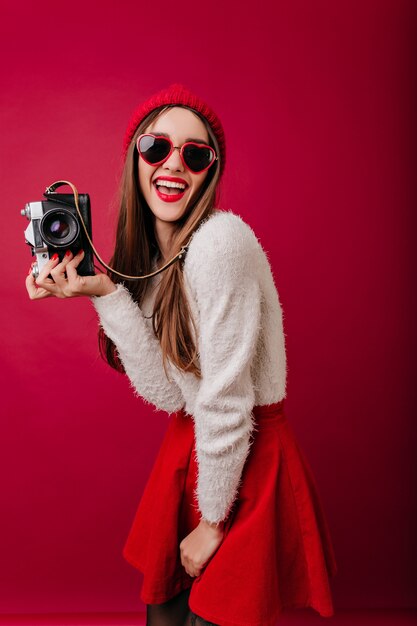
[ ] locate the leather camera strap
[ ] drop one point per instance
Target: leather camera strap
(59, 183)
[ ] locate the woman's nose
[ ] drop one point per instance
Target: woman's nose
(174, 160)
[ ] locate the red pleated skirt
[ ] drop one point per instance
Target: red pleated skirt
(277, 551)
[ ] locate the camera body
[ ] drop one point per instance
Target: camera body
(55, 226)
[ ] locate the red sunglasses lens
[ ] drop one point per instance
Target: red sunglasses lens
(154, 149)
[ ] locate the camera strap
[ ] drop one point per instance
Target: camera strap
(59, 183)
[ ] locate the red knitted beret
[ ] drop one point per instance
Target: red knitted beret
(177, 94)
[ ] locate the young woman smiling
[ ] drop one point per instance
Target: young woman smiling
(230, 529)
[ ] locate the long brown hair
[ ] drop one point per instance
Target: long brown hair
(136, 247)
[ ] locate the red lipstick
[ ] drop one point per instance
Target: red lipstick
(173, 197)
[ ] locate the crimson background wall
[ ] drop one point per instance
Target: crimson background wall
(318, 102)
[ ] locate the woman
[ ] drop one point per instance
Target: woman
(230, 529)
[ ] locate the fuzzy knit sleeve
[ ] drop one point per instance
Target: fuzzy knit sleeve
(139, 350)
(221, 266)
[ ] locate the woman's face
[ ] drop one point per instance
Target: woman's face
(180, 125)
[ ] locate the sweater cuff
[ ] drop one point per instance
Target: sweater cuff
(219, 524)
(108, 297)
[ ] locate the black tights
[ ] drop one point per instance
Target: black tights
(174, 612)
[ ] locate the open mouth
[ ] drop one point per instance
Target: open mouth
(168, 191)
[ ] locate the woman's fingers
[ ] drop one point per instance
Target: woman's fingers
(73, 264)
(60, 285)
(58, 272)
(96, 285)
(65, 281)
(35, 292)
(76, 283)
(43, 281)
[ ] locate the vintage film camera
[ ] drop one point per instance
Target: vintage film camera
(55, 226)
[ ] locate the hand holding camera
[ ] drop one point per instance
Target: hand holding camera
(63, 222)
(65, 281)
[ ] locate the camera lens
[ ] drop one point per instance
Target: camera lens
(59, 228)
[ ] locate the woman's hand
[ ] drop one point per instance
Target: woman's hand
(69, 286)
(199, 546)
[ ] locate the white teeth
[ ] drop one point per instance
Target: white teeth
(168, 183)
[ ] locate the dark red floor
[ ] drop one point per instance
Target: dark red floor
(296, 618)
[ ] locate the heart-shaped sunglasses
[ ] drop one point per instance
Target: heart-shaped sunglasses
(154, 150)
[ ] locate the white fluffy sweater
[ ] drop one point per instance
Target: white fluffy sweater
(241, 347)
